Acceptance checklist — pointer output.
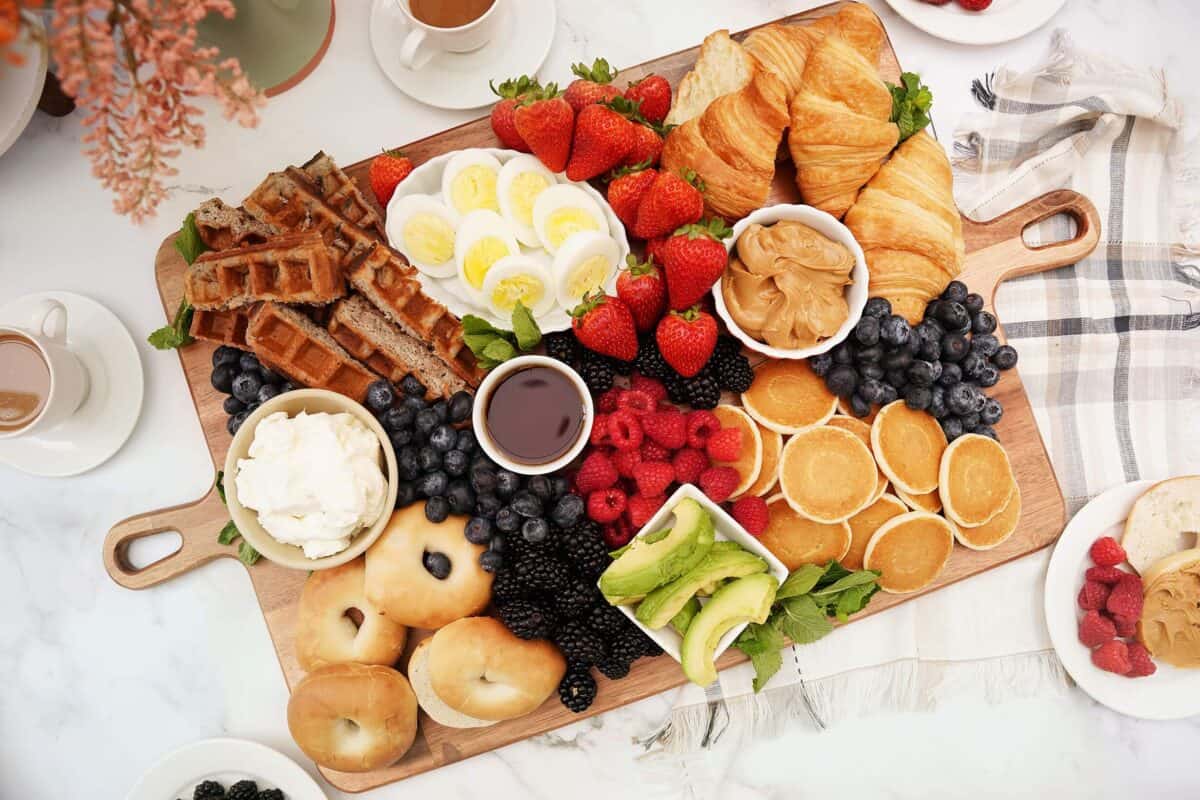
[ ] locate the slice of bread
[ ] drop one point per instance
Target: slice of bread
(723, 66)
(1164, 520)
(427, 698)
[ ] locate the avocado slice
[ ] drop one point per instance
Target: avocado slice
(650, 562)
(683, 619)
(665, 602)
(747, 599)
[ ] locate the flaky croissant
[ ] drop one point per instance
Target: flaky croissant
(909, 228)
(784, 49)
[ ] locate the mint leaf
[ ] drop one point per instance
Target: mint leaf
(528, 334)
(188, 242)
(228, 534)
(800, 582)
(853, 600)
(247, 554)
(474, 324)
(175, 335)
(911, 101)
(219, 482)
(833, 572)
(863, 576)
(499, 350)
(801, 620)
(762, 643)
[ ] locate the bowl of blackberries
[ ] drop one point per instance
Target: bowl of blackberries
(942, 365)
(247, 381)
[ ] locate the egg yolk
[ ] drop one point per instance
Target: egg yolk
(588, 276)
(429, 239)
(525, 189)
(565, 223)
(474, 187)
(525, 288)
(480, 257)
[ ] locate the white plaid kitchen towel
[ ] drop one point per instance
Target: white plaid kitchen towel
(1110, 357)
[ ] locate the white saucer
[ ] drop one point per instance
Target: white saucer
(1002, 21)
(21, 88)
(1170, 693)
(226, 761)
(460, 80)
(106, 419)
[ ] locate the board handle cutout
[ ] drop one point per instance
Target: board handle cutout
(197, 524)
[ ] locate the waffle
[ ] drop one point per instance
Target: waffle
(297, 268)
(222, 327)
(292, 344)
(222, 227)
(342, 194)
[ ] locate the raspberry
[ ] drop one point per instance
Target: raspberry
(667, 427)
(624, 430)
(689, 463)
(652, 451)
(607, 402)
(752, 514)
(1112, 656)
(650, 386)
(653, 477)
(643, 507)
(1106, 575)
(1126, 626)
(974, 5)
(725, 445)
(596, 473)
(1140, 663)
(1095, 630)
(1093, 595)
(1126, 597)
(626, 462)
(719, 482)
(599, 435)
(636, 401)
(617, 534)
(1107, 552)
(606, 505)
(701, 425)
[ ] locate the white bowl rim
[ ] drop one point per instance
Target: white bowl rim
(826, 224)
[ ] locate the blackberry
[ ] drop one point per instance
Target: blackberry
(562, 346)
(506, 587)
(649, 360)
(208, 790)
(243, 790)
(575, 599)
(597, 373)
(271, 794)
(727, 345)
(541, 574)
(627, 644)
(577, 690)
(621, 367)
(614, 668)
(734, 369)
(607, 621)
(702, 391)
(579, 644)
(527, 620)
(676, 389)
(583, 548)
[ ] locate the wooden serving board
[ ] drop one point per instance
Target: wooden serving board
(995, 252)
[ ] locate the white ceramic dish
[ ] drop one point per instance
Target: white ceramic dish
(1170, 693)
(1003, 21)
(479, 414)
(826, 224)
(726, 529)
(226, 761)
(21, 87)
(427, 179)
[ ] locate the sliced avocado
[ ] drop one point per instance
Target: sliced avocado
(665, 602)
(747, 599)
(646, 565)
(685, 616)
(709, 589)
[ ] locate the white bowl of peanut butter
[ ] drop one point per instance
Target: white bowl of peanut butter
(796, 282)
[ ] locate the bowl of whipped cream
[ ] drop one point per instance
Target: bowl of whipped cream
(310, 479)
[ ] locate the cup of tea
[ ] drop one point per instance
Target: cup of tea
(42, 383)
(455, 26)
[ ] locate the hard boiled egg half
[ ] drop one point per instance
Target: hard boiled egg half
(563, 211)
(469, 182)
(522, 180)
(483, 239)
(425, 231)
(518, 278)
(582, 265)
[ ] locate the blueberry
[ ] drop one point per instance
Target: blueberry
(567, 510)
(225, 355)
(465, 441)
(937, 402)
(429, 459)
(953, 316)
(871, 371)
(869, 355)
(985, 343)
(462, 499)
(917, 397)
(844, 353)
(866, 332)
(988, 431)
(973, 364)
(952, 427)
(877, 307)
(895, 331)
(954, 347)
(270, 376)
(266, 392)
(233, 406)
(924, 373)
(442, 409)
(491, 560)
(486, 505)
(913, 345)
(956, 291)
(236, 421)
(540, 486)
(559, 486)
(425, 422)
(415, 402)
(970, 421)
(951, 374)
(983, 322)
(432, 484)
(246, 386)
(897, 359)
(896, 378)
(479, 530)
(222, 377)
(400, 438)
(380, 396)
(859, 406)
(498, 545)
(890, 394)
(992, 412)
(1005, 357)
(398, 418)
(248, 362)
(481, 460)
(406, 494)
(842, 380)
(483, 479)
(988, 376)
(929, 349)
(437, 564)
(820, 364)
(973, 303)
(507, 483)
(412, 386)
(455, 463)
(527, 504)
(460, 406)
(507, 520)
(252, 407)
(443, 438)
(872, 391)
(960, 398)
(407, 464)
(931, 310)
(535, 530)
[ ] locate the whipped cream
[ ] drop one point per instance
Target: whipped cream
(314, 479)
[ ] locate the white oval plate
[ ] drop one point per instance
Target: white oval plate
(1003, 21)
(21, 87)
(1170, 693)
(427, 179)
(226, 761)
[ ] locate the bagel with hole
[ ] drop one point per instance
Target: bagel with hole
(336, 623)
(399, 586)
(353, 717)
(422, 685)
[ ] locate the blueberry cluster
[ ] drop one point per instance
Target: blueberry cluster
(242, 790)
(247, 381)
(941, 365)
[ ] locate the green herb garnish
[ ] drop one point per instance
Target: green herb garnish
(189, 245)
(219, 482)
(911, 101)
(247, 554)
(492, 345)
(188, 242)
(228, 534)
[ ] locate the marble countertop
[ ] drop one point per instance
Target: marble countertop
(100, 682)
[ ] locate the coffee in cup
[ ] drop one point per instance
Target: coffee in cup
(447, 26)
(449, 13)
(24, 382)
(42, 382)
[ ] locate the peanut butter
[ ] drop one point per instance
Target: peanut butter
(1170, 624)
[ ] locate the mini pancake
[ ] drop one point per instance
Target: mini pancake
(796, 540)
(910, 551)
(768, 473)
(787, 396)
(827, 474)
(975, 480)
(930, 501)
(994, 532)
(749, 464)
(844, 408)
(863, 431)
(908, 446)
(864, 524)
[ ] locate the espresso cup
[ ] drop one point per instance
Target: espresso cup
(63, 387)
(424, 41)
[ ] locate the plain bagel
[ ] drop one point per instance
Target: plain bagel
(353, 717)
(400, 587)
(337, 623)
(422, 686)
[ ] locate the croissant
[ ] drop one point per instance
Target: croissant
(784, 49)
(909, 228)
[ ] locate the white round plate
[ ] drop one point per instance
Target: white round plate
(460, 80)
(427, 179)
(106, 419)
(21, 88)
(1170, 693)
(226, 761)
(1002, 21)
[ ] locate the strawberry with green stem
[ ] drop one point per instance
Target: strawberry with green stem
(641, 287)
(693, 259)
(546, 123)
(504, 125)
(604, 324)
(592, 84)
(386, 171)
(686, 340)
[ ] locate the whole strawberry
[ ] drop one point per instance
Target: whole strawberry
(974, 5)
(546, 123)
(647, 146)
(670, 203)
(694, 258)
(510, 93)
(654, 248)
(641, 287)
(626, 190)
(653, 92)
(592, 84)
(387, 170)
(603, 138)
(686, 340)
(605, 325)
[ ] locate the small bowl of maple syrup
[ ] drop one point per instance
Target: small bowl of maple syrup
(533, 415)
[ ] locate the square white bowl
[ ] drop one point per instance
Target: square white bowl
(726, 529)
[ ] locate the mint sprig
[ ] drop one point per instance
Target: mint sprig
(230, 533)
(911, 101)
(493, 346)
(175, 335)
